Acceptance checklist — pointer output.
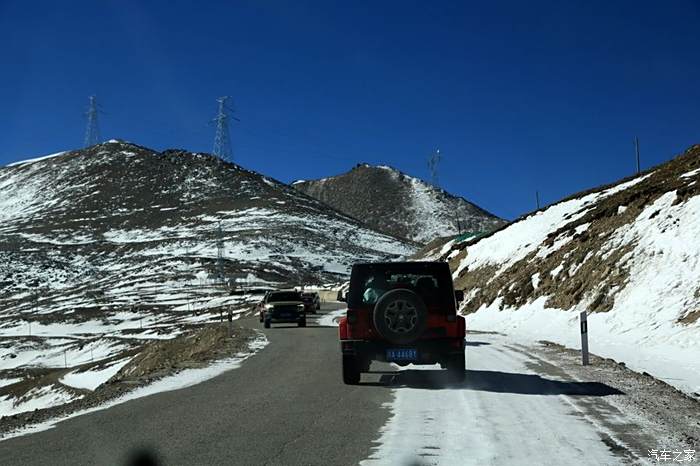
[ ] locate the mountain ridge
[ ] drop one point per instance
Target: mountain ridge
(121, 200)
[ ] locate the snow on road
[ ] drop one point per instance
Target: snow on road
(504, 413)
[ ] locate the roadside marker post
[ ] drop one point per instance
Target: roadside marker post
(584, 337)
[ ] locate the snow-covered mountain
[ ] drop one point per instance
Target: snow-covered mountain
(628, 254)
(399, 205)
(116, 215)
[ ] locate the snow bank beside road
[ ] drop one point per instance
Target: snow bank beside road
(663, 350)
(331, 319)
(183, 379)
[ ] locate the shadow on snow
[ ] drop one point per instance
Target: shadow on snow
(492, 381)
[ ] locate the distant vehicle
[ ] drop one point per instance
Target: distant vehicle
(312, 301)
(405, 313)
(283, 306)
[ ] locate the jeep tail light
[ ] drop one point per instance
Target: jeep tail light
(352, 316)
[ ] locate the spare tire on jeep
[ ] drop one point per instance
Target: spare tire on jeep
(400, 316)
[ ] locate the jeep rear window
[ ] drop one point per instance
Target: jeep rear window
(431, 281)
(284, 296)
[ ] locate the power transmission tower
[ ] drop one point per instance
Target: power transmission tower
(220, 274)
(92, 132)
(222, 140)
(433, 163)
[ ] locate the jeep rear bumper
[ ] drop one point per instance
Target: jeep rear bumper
(428, 351)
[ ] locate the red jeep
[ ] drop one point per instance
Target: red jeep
(402, 312)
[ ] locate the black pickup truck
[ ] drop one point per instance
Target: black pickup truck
(283, 306)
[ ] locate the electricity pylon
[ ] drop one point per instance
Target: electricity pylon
(92, 132)
(222, 140)
(433, 163)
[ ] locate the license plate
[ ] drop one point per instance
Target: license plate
(402, 354)
(285, 315)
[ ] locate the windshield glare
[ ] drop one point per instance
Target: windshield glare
(287, 296)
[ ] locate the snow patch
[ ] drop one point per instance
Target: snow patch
(36, 398)
(37, 159)
(90, 380)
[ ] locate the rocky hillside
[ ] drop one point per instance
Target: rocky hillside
(399, 205)
(96, 219)
(628, 254)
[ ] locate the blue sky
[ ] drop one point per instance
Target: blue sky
(519, 96)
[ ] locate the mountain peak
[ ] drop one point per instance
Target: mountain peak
(395, 203)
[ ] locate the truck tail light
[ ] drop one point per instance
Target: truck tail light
(352, 316)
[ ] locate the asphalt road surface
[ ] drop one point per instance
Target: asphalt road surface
(288, 405)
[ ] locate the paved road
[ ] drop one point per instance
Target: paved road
(286, 405)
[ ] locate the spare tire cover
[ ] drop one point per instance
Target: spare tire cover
(400, 316)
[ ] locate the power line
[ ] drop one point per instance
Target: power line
(92, 132)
